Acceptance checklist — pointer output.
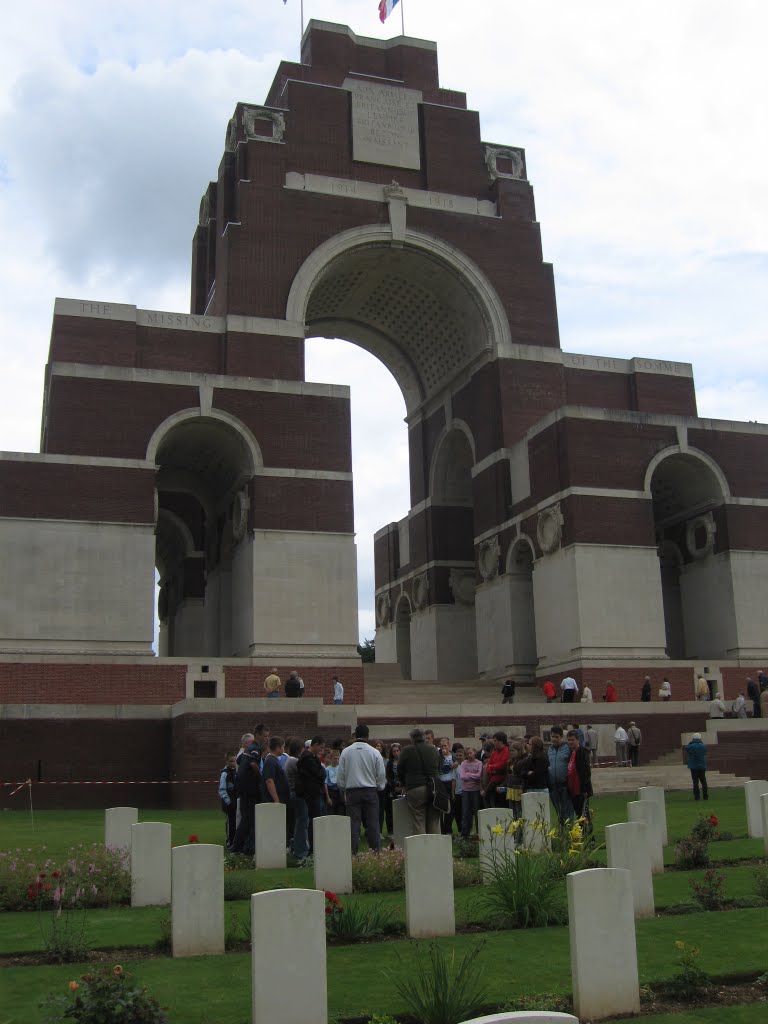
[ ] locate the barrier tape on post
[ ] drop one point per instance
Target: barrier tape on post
(111, 782)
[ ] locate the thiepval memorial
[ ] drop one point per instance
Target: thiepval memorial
(568, 512)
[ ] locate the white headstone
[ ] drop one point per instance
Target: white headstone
(332, 847)
(658, 794)
(753, 791)
(295, 936)
(626, 848)
(647, 813)
(764, 810)
(197, 900)
(429, 908)
(536, 812)
(117, 827)
(271, 846)
(494, 844)
(601, 929)
(150, 864)
(402, 823)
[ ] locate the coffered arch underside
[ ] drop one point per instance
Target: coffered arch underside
(423, 308)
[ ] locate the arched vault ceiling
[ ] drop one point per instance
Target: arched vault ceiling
(207, 450)
(412, 299)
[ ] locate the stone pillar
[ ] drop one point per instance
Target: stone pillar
(491, 844)
(402, 823)
(197, 900)
(626, 848)
(429, 908)
(117, 827)
(150, 864)
(296, 936)
(658, 794)
(333, 853)
(601, 929)
(536, 807)
(271, 840)
(764, 810)
(753, 791)
(647, 813)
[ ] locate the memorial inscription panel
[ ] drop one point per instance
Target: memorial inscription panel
(385, 124)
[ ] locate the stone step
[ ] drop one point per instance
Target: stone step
(626, 780)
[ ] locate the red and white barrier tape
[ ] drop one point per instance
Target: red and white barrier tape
(120, 782)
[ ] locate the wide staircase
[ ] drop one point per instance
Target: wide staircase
(384, 684)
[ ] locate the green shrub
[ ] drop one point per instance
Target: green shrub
(108, 995)
(378, 872)
(690, 984)
(237, 886)
(61, 916)
(463, 848)
(523, 890)
(436, 989)
(354, 921)
(709, 893)
(466, 873)
(543, 1002)
(692, 853)
(705, 828)
(237, 928)
(749, 902)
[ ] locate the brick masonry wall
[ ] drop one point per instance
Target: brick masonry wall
(628, 681)
(248, 681)
(744, 754)
(70, 683)
(97, 493)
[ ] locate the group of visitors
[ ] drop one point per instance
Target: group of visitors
(294, 686)
(628, 745)
(569, 692)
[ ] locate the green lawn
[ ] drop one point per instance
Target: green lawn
(515, 962)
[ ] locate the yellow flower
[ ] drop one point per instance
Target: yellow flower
(496, 829)
(679, 944)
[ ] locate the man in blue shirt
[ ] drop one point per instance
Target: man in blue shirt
(559, 755)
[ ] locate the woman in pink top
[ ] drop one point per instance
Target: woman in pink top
(470, 771)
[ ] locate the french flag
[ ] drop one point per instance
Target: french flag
(385, 9)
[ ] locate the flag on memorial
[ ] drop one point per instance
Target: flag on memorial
(385, 9)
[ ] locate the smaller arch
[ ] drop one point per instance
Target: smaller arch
(523, 540)
(694, 453)
(447, 450)
(194, 414)
(175, 522)
(403, 599)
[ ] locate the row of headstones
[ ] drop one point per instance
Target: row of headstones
(756, 795)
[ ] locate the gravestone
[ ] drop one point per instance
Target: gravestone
(647, 813)
(150, 864)
(752, 792)
(288, 959)
(271, 843)
(429, 908)
(197, 900)
(117, 827)
(601, 929)
(492, 844)
(402, 822)
(332, 846)
(626, 848)
(537, 815)
(658, 794)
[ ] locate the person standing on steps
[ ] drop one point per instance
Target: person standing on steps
(645, 691)
(338, 691)
(508, 692)
(570, 689)
(634, 739)
(697, 765)
(753, 692)
(272, 687)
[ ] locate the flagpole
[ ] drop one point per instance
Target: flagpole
(302, 19)
(402, 16)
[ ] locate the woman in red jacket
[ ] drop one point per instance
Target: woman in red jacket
(610, 693)
(496, 768)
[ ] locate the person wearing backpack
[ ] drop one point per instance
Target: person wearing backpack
(634, 739)
(228, 796)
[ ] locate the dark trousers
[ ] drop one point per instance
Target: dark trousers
(363, 808)
(699, 775)
(470, 804)
(568, 696)
(245, 836)
(230, 821)
(561, 800)
(634, 756)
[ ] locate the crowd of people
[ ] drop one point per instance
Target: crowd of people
(444, 784)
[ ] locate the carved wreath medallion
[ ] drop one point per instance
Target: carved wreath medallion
(549, 529)
(700, 535)
(382, 609)
(488, 558)
(420, 591)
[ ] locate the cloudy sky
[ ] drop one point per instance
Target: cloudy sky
(645, 133)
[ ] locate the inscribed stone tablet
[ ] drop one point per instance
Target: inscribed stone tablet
(385, 124)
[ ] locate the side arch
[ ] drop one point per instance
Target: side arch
(694, 453)
(193, 415)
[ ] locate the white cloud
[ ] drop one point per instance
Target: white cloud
(643, 126)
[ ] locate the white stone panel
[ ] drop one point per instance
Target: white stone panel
(88, 584)
(764, 815)
(386, 645)
(709, 620)
(306, 589)
(197, 900)
(753, 791)
(536, 812)
(150, 864)
(506, 630)
(332, 853)
(385, 124)
(749, 571)
(601, 918)
(443, 643)
(270, 836)
(117, 827)
(626, 848)
(646, 812)
(657, 793)
(429, 908)
(494, 845)
(288, 958)
(402, 822)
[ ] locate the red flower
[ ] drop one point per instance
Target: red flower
(328, 894)
(56, 874)
(41, 875)
(329, 910)
(340, 907)
(74, 986)
(713, 820)
(193, 839)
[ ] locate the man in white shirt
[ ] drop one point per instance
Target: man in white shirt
(338, 691)
(569, 688)
(360, 777)
(621, 738)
